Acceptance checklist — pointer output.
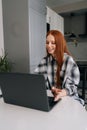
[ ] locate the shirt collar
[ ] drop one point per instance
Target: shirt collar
(50, 58)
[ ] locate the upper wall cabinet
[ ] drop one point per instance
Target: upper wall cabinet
(55, 20)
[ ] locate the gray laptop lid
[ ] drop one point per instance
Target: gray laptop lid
(26, 90)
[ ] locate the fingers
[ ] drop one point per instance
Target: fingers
(55, 90)
(60, 94)
(57, 97)
(57, 93)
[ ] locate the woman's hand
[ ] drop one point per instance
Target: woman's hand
(58, 93)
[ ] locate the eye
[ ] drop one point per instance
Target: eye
(53, 43)
(47, 43)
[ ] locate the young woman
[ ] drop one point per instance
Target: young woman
(59, 68)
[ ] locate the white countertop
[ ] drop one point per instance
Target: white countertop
(68, 114)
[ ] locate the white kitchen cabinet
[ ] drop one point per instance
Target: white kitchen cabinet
(24, 32)
(55, 20)
(37, 37)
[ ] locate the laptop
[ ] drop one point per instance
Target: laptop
(27, 90)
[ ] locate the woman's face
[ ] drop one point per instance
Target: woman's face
(50, 44)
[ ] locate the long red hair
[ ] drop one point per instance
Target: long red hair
(61, 48)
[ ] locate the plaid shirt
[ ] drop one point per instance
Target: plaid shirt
(69, 74)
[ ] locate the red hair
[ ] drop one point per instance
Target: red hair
(61, 48)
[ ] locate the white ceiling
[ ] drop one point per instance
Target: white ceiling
(64, 6)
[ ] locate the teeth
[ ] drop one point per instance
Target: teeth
(51, 50)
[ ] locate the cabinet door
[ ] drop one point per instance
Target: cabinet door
(55, 20)
(60, 23)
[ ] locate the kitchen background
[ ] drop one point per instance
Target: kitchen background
(23, 26)
(75, 30)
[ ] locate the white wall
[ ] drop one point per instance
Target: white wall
(1, 31)
(79, 52)
(16, 37)
(24, 32)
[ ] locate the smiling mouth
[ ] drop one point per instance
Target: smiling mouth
(50, 50)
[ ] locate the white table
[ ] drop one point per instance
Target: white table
(68, 114)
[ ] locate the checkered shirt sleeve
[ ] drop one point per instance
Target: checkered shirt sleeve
(71, 76)
(47, 67)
